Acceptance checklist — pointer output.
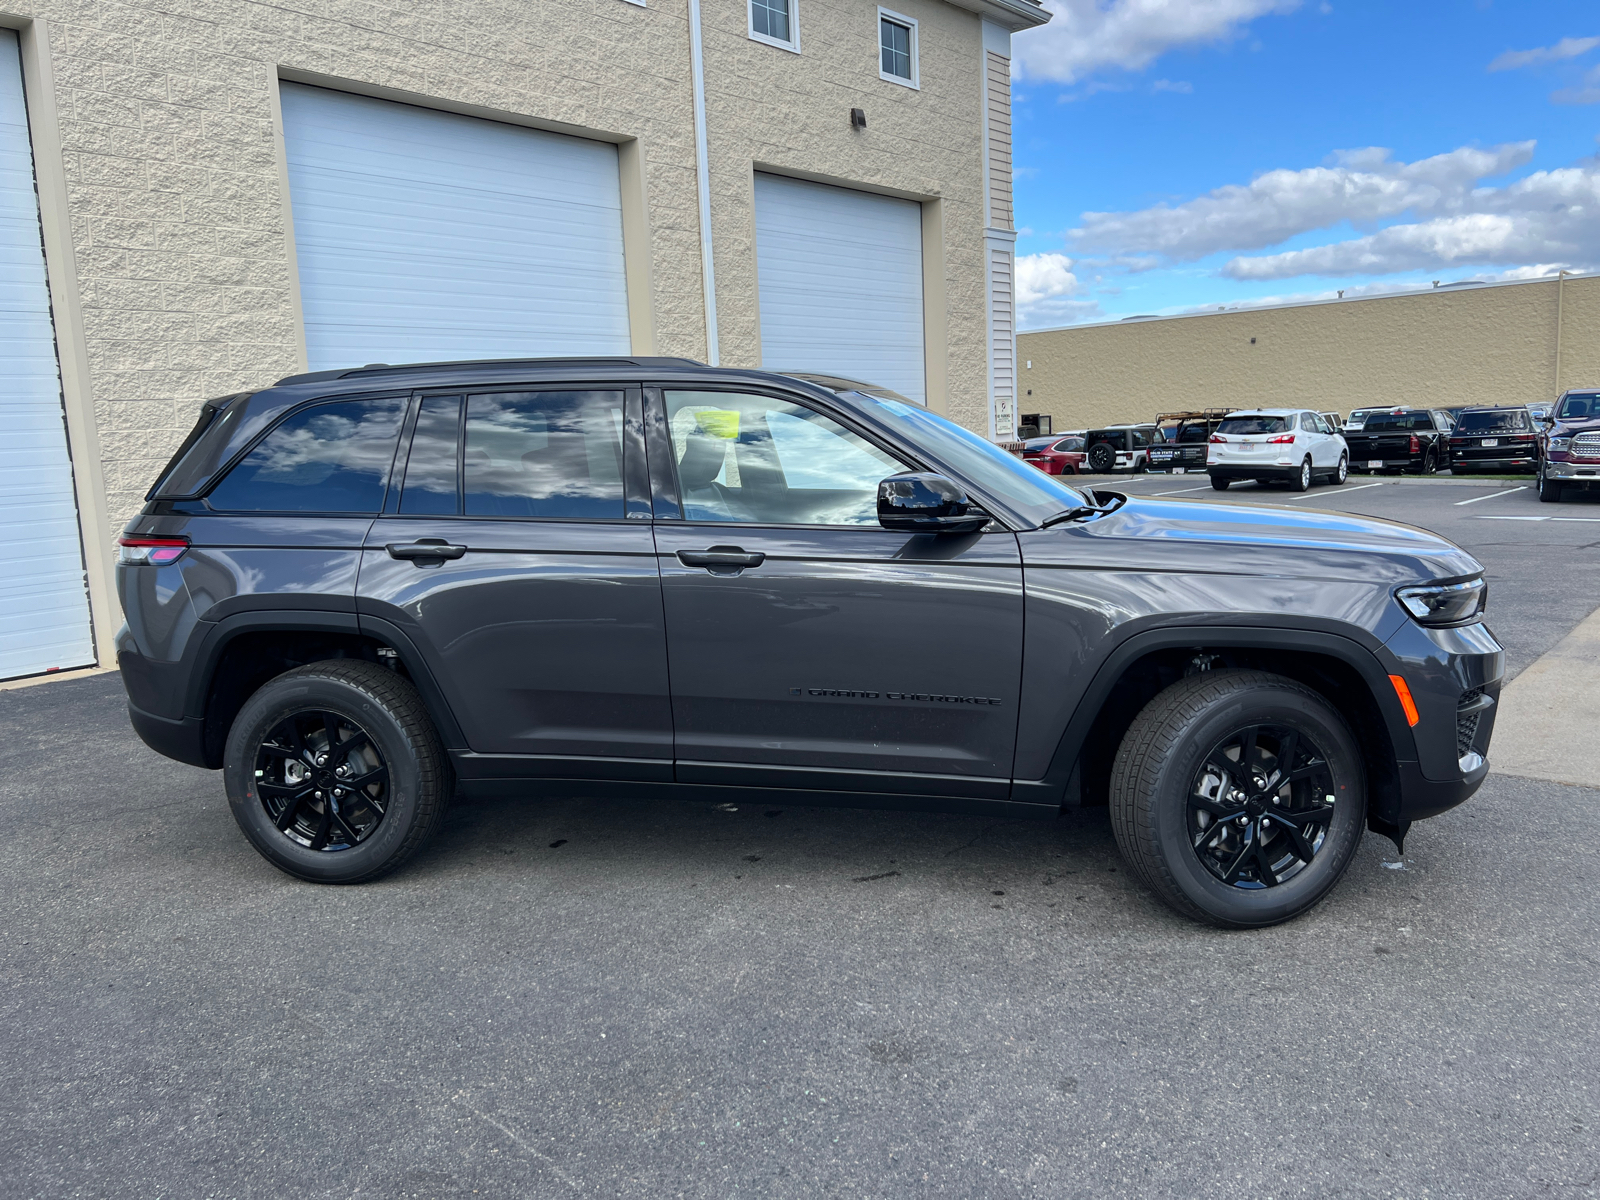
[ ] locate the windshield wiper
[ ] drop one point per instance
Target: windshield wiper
(1085, 510)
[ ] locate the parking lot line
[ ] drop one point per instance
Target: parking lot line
(1181, 491)
(1575, 518)
(1507, 492)
(1361, 488)
(1522, 518)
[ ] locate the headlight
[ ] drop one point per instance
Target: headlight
(1560, 443)
(1445, 603)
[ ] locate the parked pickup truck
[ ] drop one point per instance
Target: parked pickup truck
(1182, 438)
(1401, 439)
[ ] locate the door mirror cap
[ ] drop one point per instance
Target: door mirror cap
(922, 502)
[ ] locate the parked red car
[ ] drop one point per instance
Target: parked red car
(1060, 454)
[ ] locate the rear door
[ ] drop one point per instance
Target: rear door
(809, 646)
(510, 559)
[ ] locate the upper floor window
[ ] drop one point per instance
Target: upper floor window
(897, 48)
(774, 22)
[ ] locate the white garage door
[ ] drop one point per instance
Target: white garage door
(44, 604)
(425, 236)
(841, 282)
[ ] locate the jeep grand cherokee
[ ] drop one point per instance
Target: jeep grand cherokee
(358, 592)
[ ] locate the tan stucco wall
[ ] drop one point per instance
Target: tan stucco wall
(176, 211)
(1492, 345)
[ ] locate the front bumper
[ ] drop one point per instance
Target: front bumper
(1572, 472)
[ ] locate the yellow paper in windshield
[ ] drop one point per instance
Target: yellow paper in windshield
(719, 422)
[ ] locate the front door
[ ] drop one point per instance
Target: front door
(510, 560)
(809, 646)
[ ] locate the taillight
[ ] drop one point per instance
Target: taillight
(156, 551)
(1415, 445)
(1281, 439)
(1218, 440)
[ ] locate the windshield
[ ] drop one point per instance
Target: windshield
(1034, 495)
(1238, 425)
(1505, 420)
(1579, 407)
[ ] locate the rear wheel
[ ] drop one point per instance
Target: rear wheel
(1342, 471)
(1549, 489)
(1238, 797)
(1301, 479)
(335, 773)
(1220, 482)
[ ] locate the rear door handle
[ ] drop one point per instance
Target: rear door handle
(425, 551)
(721, 559)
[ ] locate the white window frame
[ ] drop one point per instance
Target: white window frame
(792, 45)
(888, 14)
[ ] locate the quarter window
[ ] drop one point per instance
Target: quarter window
(897, 48)
(330, 458)
(773, 21)
(543, 454)
(756, 458)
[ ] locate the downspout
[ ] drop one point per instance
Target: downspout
(1561, 281)
(702, 170)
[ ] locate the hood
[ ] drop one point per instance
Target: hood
(1260, 540)
(1572, 426)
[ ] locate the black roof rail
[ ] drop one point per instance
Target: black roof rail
(376, 369)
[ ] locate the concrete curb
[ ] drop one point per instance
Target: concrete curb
(1545, 727)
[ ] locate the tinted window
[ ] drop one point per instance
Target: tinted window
(756, 458)
(1249, 425)
(1308, 423)
(1191, 434)
(1071, 444)
(1403, 422)
(1508, 420)
(1579, 407)
(328, 458)
(431, 469)
(543, 454)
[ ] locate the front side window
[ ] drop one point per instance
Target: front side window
(330, 458)
(543, 454)
(756, 458)
(773, 21)
(897, 48)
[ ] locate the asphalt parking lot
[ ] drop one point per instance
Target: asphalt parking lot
(656, 998)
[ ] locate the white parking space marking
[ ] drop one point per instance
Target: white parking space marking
(1522, 518)
(1363, 487)
(1575, 518)
(1507, 492)
(1182, 491)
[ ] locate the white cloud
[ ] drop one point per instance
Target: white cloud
(1084, 36)
(1047, 292)
(1549, 217)
(1589, 93)
(1362, 187)
(1172, 85)
(1566, 48)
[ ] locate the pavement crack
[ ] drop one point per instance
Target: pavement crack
(519, 1143)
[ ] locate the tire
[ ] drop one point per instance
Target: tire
(1102, 458)
(1341, 472)
(1159, 785)
(1302, 479)
(1220, 482)
(1430, 464)
(1549, 489)
(384, 734)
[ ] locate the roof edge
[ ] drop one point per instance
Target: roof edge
(1015, 15)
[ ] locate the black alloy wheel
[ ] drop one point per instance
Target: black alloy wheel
(1260, 805)
(1343, 471)
(1102, 458)
(321, 780)
(1430, 464)
(334, 771)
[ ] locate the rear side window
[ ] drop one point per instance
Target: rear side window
(432, 466)
(1248, 425)
(1511, 420)
(330, 458)
(543, 454)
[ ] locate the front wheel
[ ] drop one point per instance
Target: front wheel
(334, 771)
(1238, 797)
(1549, 489)
(1301, 480)
(1343, 471)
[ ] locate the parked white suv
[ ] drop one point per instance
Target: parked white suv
(1276, 445)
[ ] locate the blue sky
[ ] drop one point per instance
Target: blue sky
(1175, 155)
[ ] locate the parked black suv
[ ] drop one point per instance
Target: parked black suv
(356, 592)
(1493, 439)
(1403, 439)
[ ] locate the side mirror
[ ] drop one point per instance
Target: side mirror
(921, 502)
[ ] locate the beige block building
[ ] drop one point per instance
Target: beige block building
(1516, 343)
(228, 191)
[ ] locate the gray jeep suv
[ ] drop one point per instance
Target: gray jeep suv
(358, 592)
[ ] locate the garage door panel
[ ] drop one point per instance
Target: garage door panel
(44, 603)
(428, 235)
(840, 277)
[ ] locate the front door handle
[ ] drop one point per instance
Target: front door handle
(721, 559)
(425, 552)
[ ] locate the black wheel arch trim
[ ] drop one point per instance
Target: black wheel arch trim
(1363, 659)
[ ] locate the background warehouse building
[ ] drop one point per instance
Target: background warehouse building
(198, 197)
(1514, 343)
